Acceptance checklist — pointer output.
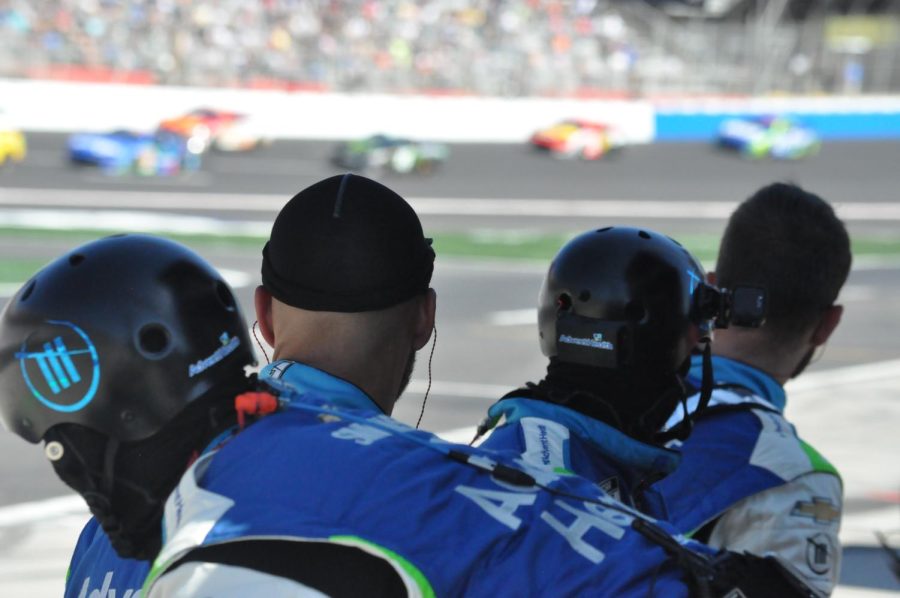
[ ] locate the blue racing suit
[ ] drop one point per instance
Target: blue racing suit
(747, 482)
(96, 569)
(330, 467)
(550, 435)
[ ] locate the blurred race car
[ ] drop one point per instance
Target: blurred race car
(12, 143)
(768, 136)
(125, 152)
(218, 129)
(576, 138)
(390, 154)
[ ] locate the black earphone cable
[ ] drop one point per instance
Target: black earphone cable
(258, 342)
(428, 389)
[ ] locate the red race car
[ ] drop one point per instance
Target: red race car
(224, 131)
(577, 138)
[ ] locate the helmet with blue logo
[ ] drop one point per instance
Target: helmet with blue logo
(622, 298)
(118, 336)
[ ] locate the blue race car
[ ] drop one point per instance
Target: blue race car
(768, 136)
(125, 152)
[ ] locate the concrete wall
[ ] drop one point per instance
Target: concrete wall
(59, 106)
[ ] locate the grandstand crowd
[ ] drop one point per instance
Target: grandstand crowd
(507, 47)
(486, 47)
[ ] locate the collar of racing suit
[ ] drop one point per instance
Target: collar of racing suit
(303, 379)
(728, 372)
(606, 439)
(307, 379)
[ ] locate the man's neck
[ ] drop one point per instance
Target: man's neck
(755, 349)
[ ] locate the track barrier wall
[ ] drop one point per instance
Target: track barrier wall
(68, 107)
(831, 118)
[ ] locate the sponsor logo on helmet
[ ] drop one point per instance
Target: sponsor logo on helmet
(595, 342)
(229, 344)
(62, 373)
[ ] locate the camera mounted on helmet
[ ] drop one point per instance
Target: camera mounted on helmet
(743, 306)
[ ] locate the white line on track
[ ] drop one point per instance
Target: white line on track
(539, 208)
(130, 221)
(513, 317)
(466, 390)
(40, 510)
(850, 375)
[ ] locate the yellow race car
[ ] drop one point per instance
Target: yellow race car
(12, 143)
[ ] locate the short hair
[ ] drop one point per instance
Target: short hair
(789, 241)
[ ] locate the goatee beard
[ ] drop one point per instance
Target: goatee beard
(407, 373)
(803, 363)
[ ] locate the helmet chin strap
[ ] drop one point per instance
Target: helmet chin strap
(683, 429)
(99, 485)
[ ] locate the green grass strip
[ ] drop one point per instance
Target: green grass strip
(493, 244)
(543, 246)
(18, 271)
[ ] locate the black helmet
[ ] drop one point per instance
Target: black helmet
(118, 336)
(621, 298)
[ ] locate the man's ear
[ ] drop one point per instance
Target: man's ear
(830, 320)
(262, 301)
(425, 319)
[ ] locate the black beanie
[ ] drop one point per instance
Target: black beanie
(346, 244)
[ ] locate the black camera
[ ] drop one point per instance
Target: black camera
(743, 306)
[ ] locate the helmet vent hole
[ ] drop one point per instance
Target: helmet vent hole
(584, 295)
(604, 229)
(28, 290)
(226, 298)
(75, 259)
(153, 340)
(564, 302)
(644, 234)
(634, 311)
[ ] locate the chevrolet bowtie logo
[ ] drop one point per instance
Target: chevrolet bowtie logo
(820, 510)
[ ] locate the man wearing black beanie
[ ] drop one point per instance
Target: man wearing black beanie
(346, 303)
